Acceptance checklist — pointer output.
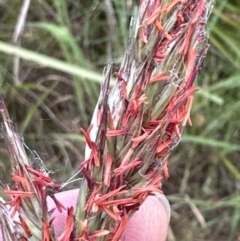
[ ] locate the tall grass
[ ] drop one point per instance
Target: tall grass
(63, 48)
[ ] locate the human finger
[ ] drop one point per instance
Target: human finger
(150, 222)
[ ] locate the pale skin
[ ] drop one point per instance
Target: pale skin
(149, 223)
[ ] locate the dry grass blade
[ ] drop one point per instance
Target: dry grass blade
(17, 37)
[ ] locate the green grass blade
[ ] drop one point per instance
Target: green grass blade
(228, 147)
(209, 95)
(50, 62)
(32, 112)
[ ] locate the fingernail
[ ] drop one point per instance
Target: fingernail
(162, 198)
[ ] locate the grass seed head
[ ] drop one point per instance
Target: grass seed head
(138, 122)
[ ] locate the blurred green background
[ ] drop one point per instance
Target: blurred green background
(51, 82)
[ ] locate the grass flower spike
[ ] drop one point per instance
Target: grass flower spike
(26, 214)
(140, 120)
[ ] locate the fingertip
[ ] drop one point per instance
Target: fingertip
(164, 201)
(150, 222)
(68, 199)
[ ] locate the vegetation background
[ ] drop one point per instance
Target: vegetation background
(51, 82)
